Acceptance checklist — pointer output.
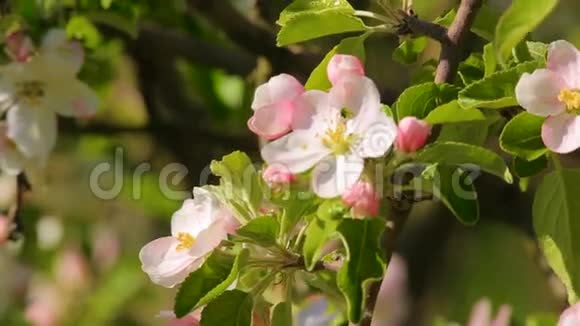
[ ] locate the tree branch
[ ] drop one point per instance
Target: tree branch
(22, 186)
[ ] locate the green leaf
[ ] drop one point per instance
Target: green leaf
(521, 137)
(522, 17)
(454, 187)
(489, 59)
(483, 25)
(497, 90)
(457, 154)
(262, 231)
(232, 308)
(317, 234)
(364, 262)
(525, 169)
(472, 69)
(115, 20)
(470, 132)
(208, 282)
(537, 50)
(302, 7)
(239, 184)
(543, 319)
(309, 26)
(408, 51)
(555, 211)
(351, 45)
(106, 4)
(80, 27)
(451, 112)
(282, 314)
(421, 99)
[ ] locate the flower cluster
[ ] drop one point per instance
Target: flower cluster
(39, 84)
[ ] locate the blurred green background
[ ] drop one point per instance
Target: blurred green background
(176, 79)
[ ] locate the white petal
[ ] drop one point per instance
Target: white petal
(331, 177)
(195, 215)
(164, 264)
(72, 98)
(354, 93)
(33, 129)
(305, 108)
(561, 133)
(538, 93)
(376, 130)
(60, 52)
(209, 239)
(564, 60)
(298, 151)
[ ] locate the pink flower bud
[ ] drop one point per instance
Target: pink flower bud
(342, 65)
(570, 316)
(278, 175)
(413, 134)
(5, 228)
(363, 199)
(19, 46)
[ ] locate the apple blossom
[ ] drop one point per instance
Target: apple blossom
(481, 314)
(277, 107)
(363, 199)
(347, 127)
(570, 316)
(11, 160)
(277, 175)
(36, 90)
(413, 134)
(197, 228)
(19, 46)
(341, 65)
(554, 93)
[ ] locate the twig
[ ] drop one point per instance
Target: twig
(22, 186)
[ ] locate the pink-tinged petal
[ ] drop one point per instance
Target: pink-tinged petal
(343, 65)
(570, 316)
(276, 175)
(503, 317)
(19, 46)
(564, 60)
(305, 108)
(480, 313)
(209, 239)
(377, 131)
(561, 133)
(195, 215)
(164, 264)
(538, 93)
(73, 99)
(279, 88)
(393, 301)
(298, 151)
(272, 121)
(355, 93)
(331, 177)
(6, 227)
(363, 199)
(32, 129)
(413, 134)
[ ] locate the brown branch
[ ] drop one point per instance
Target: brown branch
(15, 215)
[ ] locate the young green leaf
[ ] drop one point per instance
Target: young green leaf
(364, 262)
(458, 154)
(262, 231)
(80, 27)
(309, 26)
(472, 69)
(408, 51)
(489, 59)
(526, 169)
(451, 112)
(497, 90)
(421, 99)
(521, 137)
(208, 282)
(317, 234)
(522, 17)
(555, 211)
(542, 319)
(454, 187)
(302, 7)
(282, 314)
(470, 132)
(351, 45)
(232, 308)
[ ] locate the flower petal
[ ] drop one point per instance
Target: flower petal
(354, 92)
(538, 93)
(561, 133)
(333, 176)
(305, 108)
(564, 60)
(62, 54)
(33, 129)
(378, 132)
(298, 151)
(342, 65)
(272, 121)
(72, 99)
(279, 88)
(209, 239)
(195, 215)
(164, 264)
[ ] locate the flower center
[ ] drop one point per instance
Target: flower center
(186, 241)
(572, 100)
(31, 91)
(337, 140)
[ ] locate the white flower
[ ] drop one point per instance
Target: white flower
(348, 127)
(12, 161)
(197, 228)
(36, 90)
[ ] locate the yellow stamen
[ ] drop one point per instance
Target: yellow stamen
(31, 91)
(337, 140)
(572, 100)
(186, 241)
